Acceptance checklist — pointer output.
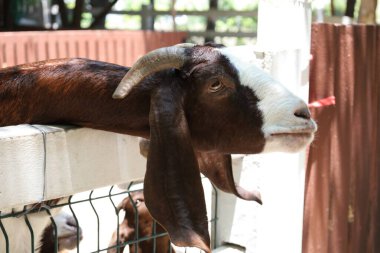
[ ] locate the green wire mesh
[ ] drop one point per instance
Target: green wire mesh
(48, 208)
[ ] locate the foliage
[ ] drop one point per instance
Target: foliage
(187, 23)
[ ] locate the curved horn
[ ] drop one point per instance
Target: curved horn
(154, 61)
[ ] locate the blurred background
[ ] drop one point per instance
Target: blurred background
(231, 22)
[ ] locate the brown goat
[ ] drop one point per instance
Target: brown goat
(127, 229)
(187, 100)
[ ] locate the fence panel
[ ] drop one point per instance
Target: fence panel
(120, 47)
(343, 176)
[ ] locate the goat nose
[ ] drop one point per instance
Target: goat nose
(303, 112)
(71, 222)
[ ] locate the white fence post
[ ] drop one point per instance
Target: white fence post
(284, 28)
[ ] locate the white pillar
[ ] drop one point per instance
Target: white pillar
(276, 226)
(284, 28)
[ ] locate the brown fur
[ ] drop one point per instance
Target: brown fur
(127, 229)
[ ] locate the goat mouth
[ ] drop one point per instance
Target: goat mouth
(301, 132)
(71, 236)
(289, 140)
(290, 134)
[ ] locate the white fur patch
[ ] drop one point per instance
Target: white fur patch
(277, 105)
(18, 232)
(19, 235)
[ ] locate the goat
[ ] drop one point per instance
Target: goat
(135, 205)
(67, 232)
(196, 105)
(17, 231)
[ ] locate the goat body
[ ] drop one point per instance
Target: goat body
(72, 91)
(196, 105)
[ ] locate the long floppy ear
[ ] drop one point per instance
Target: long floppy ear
(218, 168)
(172, 187)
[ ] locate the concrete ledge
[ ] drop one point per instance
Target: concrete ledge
(77, 159)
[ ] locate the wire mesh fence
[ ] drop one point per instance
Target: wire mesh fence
(115, 220)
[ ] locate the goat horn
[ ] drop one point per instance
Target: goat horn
(154, 61)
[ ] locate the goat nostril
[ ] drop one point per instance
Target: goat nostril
(303, 113)
(71, 222)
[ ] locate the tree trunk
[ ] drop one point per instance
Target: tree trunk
(213, 4)
(367, 12)
(350, 8)
(78, 11)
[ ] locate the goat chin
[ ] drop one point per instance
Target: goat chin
(290, 143)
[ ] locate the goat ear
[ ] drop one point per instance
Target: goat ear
(172, 186)
(218, 168)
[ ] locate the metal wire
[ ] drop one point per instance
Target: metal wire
(117, 211)
(76, 221)
(136, 217)
(97, 220)
(215, 218)
(31, 232)
(5, 235)
(55, 229)
(43, 132)
(154, 239)
(29, 210)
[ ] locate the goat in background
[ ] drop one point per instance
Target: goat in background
(44, 240)
(67, 229)
(127, 229)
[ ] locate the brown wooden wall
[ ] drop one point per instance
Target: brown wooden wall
(342, 201)
(121, 47)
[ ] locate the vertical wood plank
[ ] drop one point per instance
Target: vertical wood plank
(375, 195)
(111, 44)
(317, 188)
(30, 49)
(2, 53)
(101, 48)
(130, 51)
(10, 51)
(351, 67)
(119, 50)
(71, 47)
(41, 50)
(52, 46)
(62, 49)
(91, 47)
(20, 55)
(81, 45)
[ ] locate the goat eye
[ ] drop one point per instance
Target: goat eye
(216, 86)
